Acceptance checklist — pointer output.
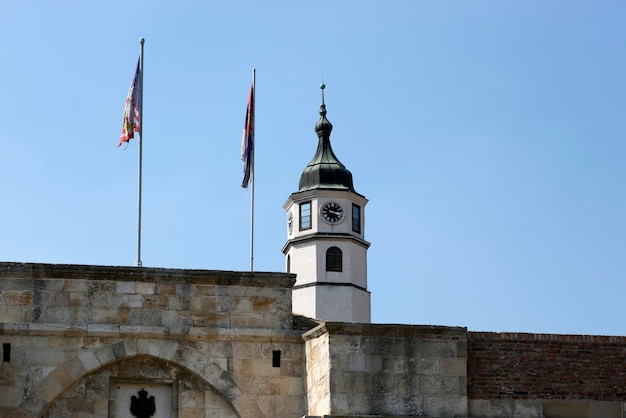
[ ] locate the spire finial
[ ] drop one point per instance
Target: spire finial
(323, 106)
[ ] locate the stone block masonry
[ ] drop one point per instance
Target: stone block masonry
(124, 296)
(380, 370)
(73, 334)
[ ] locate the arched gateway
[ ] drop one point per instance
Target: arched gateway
(96, 340)
(188, 387)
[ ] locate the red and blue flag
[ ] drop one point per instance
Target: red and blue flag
(247, 142)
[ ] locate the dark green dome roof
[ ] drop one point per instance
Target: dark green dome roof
(325, 171)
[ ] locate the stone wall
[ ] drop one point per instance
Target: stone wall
(70, 332)
(128, 296)
(317, 376)
(380, 370)
(78, 341)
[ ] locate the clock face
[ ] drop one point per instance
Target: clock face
(332, 212)
(289, 222)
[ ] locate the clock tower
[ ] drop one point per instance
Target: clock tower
(326, 246)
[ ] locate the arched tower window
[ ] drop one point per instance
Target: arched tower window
(288, 263)
(334, 259)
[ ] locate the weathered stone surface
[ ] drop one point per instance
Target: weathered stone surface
(77, 331)
(488, 408)
(381, 369)
(10, 397)
(141, 325)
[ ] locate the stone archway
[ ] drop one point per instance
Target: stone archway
(94, 393)
(90, 368)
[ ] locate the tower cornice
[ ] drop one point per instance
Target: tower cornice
(322, 193)
(321, 236)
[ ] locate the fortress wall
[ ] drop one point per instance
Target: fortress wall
(390, 370)
(546, 374)
(215, 343)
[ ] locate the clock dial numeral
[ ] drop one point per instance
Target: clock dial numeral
(332, 212)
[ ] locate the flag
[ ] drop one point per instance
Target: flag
(131, 121)
(247, 142)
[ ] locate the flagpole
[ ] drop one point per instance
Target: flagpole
(141, 42)
(252, 174)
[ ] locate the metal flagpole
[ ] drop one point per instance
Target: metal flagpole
(141, 42)
(253, 110)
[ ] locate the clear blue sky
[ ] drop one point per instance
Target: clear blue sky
(489, 136)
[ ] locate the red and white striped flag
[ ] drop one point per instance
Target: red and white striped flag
(131, 121)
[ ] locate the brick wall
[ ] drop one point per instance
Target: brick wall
(545, 366)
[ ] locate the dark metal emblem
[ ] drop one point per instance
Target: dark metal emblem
(142, 406)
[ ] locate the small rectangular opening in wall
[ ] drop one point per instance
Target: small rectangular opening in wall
(276, 358)
(6, 352)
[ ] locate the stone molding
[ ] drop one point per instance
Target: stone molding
(41, 271)
(164, 333)
(386, 330)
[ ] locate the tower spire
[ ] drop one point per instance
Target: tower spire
(325, 171)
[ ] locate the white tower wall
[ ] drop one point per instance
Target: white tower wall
(328, 295)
